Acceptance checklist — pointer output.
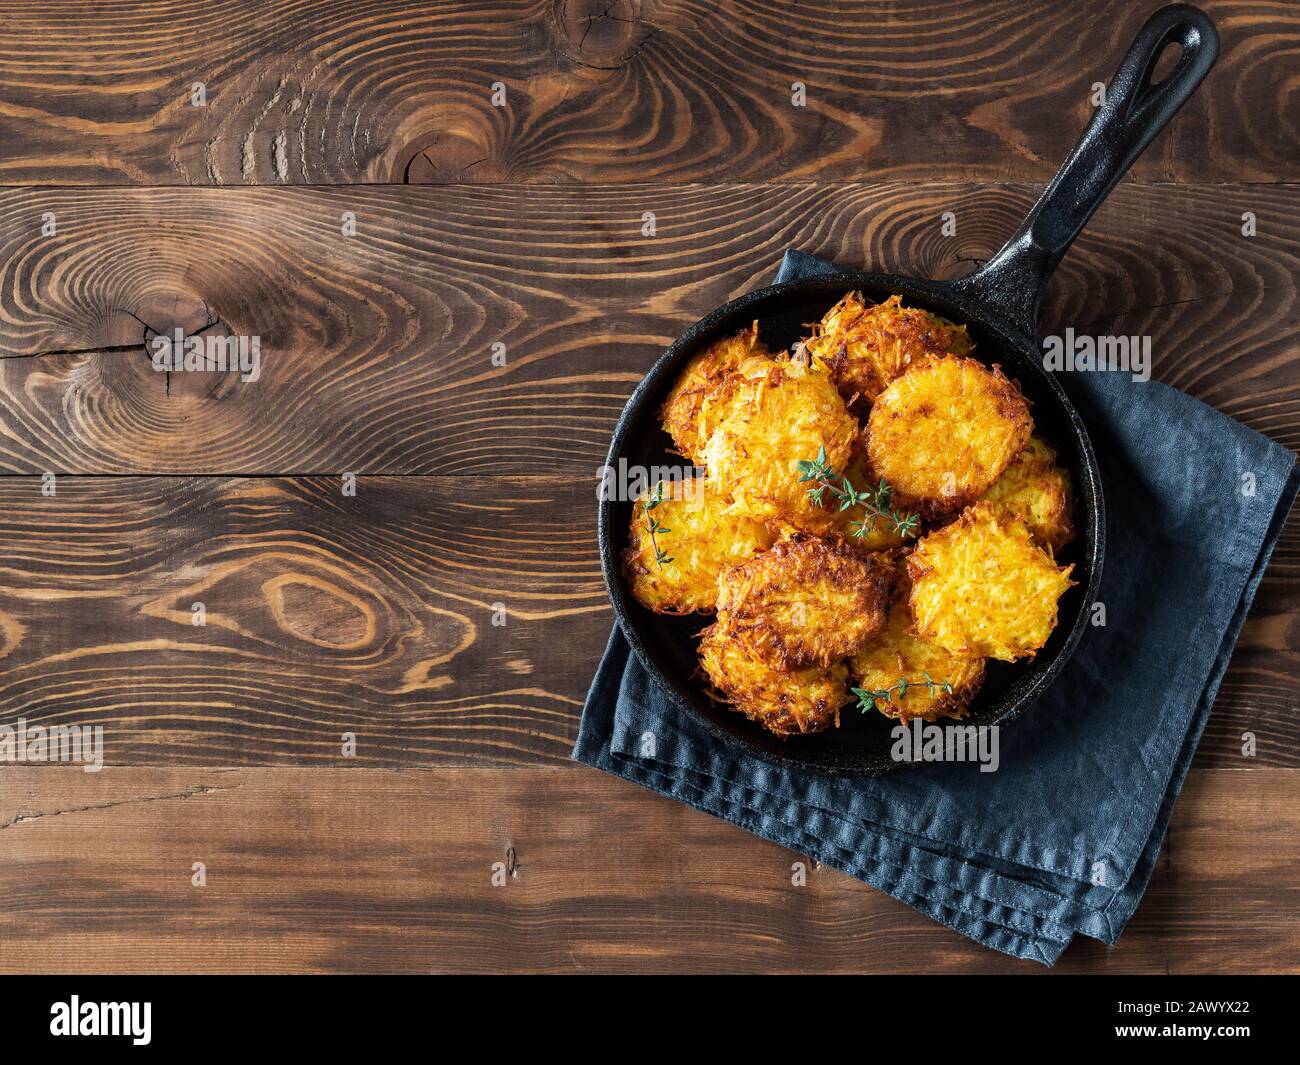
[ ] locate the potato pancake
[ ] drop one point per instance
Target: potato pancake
(880, 534)
(687, 412)
(944, 431)
(1037, 491)
(776, 413)
(808, 601)
(821, 467)
(786, 702)
(699, 534)
(864, 347)
(981, 586)
(922, 679)
(829, 520)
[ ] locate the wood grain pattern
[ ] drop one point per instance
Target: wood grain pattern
(373, 870)
(438, 619)
(377, 348)
(326, 91)
(373, 614)
(378, 351)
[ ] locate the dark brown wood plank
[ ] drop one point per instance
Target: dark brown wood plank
(438, 619)
(378, 361)
(1256, 707)
(374, 870)
(328, 91)
(373, 614)
(377, 349)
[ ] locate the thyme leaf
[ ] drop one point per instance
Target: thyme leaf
(867, 696)
(654, 526)
(876, 503)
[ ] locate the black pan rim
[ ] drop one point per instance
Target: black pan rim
(974, 310)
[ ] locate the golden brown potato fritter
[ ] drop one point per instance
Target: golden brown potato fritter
(701, 538)
(879, 534)
(788, 702)
(822, 467)
(808, 601)
(688, 413)
(944, 431)
(922, 679)
(1037, 491)
(981, 586)
(865, 537)
(776, 412)
(866, 346)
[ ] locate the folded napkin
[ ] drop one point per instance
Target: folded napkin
(1064, 836)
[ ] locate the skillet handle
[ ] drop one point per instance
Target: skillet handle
(1134, 111)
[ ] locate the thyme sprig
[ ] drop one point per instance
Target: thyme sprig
(653, 525)
(876, 503)
(867, 696)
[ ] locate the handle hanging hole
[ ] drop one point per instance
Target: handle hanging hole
(1167, 62)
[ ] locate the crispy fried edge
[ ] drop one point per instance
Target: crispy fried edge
(1012, 404)
(915, 573)
(822, 336)
(824, 716)
(630, 556)
(954, 705)
(829, 557)
(1045, 466)
(678, 415)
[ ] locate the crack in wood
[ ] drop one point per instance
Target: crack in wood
(200, 789)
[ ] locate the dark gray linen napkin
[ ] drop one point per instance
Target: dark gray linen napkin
(1064, 836)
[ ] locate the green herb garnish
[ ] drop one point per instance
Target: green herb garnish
(875, 502)
(867, 696)
(653, 524)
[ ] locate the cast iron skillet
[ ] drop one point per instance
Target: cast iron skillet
(999, 303)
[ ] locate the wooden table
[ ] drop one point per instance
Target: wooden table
(344, 187)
